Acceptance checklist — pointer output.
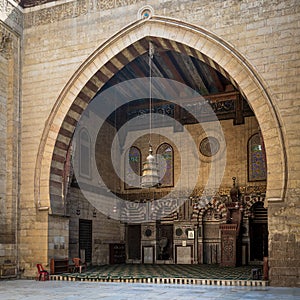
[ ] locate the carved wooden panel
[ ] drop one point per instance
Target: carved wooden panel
(228, 245)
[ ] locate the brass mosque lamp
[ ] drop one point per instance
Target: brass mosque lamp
(150, 177)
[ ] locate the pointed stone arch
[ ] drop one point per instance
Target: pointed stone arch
(125, 46)
(250, 201)
(215, 203)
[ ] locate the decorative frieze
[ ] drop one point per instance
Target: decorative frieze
(55, 13)
(5, 42)
(70, 10)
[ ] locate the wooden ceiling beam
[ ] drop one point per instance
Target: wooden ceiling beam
(204, 85)
(160, 49)
(170, 65)
(189, 66)
(216, 79)
(184, 74)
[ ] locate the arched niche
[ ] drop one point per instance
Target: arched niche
(95, 71)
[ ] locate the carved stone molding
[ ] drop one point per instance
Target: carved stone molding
(70, 10)
(5, 42)
(12, 12)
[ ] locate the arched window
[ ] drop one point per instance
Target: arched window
(166, 153)
(85, 154)
(132, 168)
(257, 170)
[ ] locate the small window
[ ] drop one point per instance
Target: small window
(132, 168)
(257, 170)
(85, 154)
(166, 153)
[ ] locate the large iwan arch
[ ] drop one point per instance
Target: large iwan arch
(122, 48)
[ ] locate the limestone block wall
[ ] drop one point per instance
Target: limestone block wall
(58, 37)
(105, 229)
(6, 235)
(58, 237)
(3, 124)
(233, 147)
(10, 43)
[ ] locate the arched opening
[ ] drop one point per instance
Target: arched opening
(132, 167)
(208, 53)
(166, 152)
(85, 153)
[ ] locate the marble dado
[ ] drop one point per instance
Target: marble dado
(71, 10)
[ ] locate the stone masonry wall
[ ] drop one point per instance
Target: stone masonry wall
(3, 124)
(9, 140)
(105, 230)
(58, 37)
(235, 145)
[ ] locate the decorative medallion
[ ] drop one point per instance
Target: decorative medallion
(187, 231)
(146, 12)
(178, 231)
(148, 232)
(209, 146)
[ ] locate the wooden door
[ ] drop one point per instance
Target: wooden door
(258, 232)
(164, 240)
(134, 241)
(259, 241)
(85, 238)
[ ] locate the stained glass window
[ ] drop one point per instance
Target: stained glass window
(132, 168)
(166, 164)
(84, 162)
(257, 169)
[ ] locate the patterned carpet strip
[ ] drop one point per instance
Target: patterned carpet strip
(134, 272)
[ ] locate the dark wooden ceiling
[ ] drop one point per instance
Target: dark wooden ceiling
(180, 67)
(225, 100)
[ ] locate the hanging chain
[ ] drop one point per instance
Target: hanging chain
(151, 54)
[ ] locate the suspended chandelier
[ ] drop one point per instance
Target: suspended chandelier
(150, 177)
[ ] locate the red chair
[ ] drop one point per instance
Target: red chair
(78, 265)
(42, 274)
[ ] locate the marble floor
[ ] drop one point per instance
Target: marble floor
(73, 290)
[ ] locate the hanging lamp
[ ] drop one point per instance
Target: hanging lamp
(150, 177)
